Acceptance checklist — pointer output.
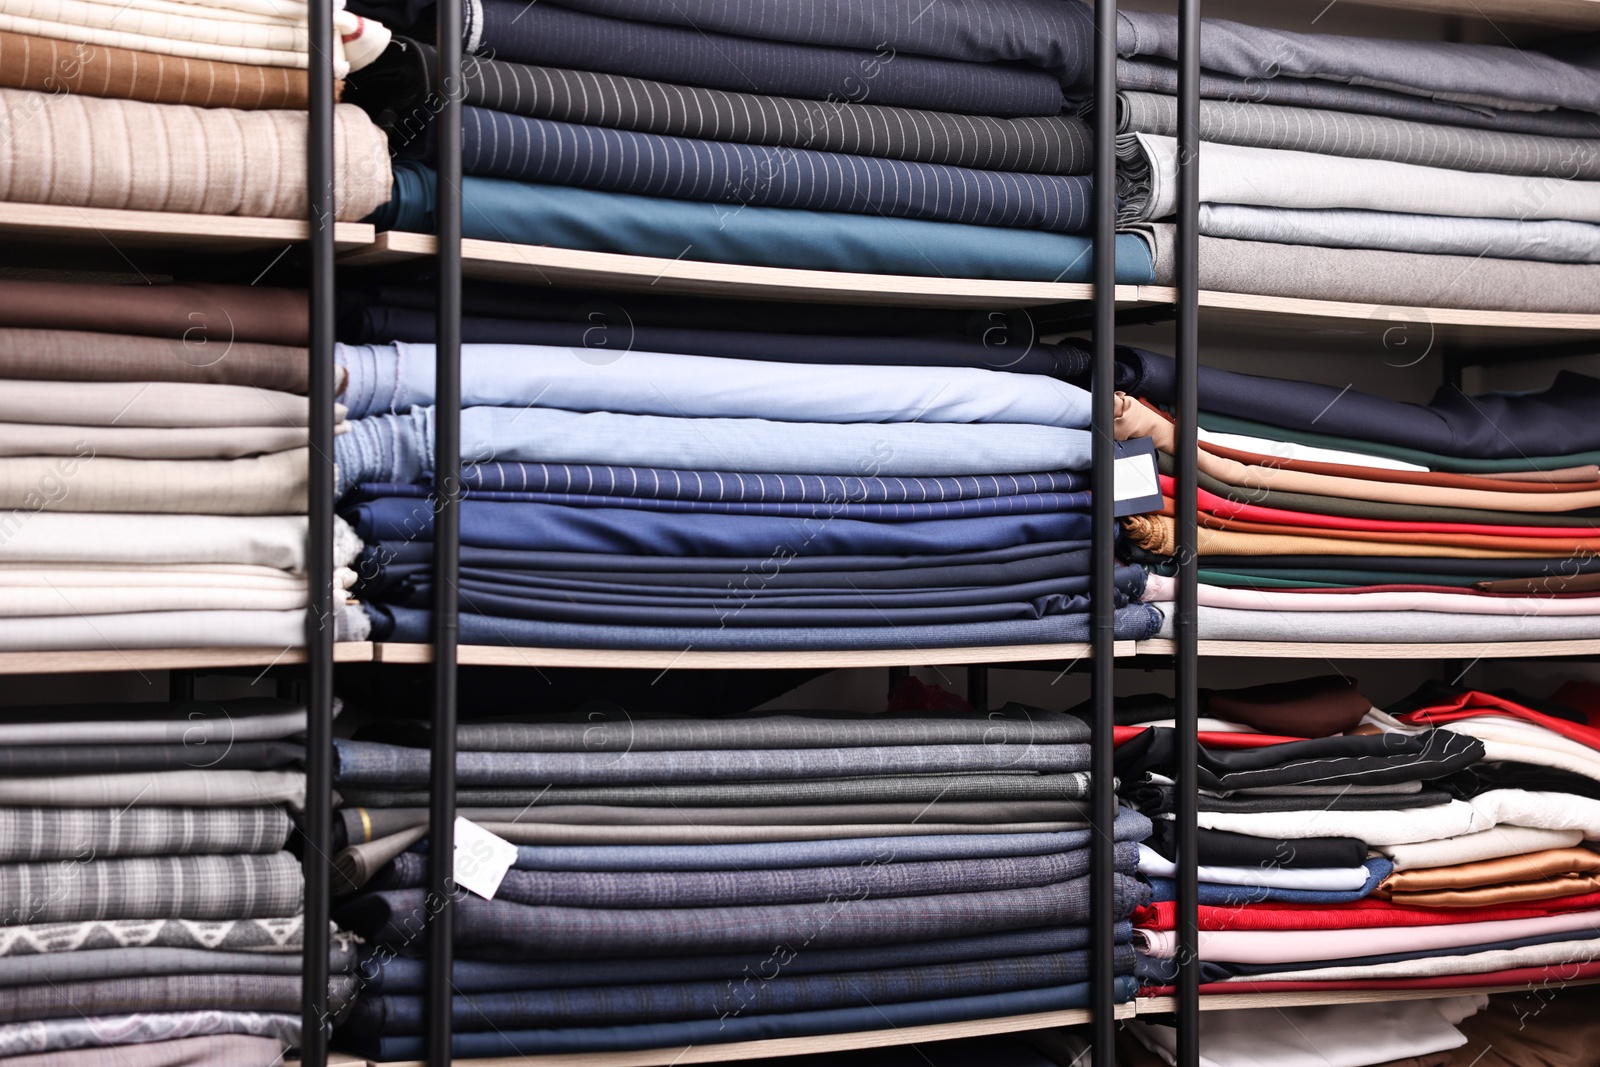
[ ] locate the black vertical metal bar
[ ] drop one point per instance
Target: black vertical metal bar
(1103, 531)
(446, 537)
(978, 688)
(1186, 628)
(316, 863)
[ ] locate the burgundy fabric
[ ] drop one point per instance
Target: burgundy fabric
(1367, 912)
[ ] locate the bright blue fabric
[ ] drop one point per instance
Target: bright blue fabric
(494, 209)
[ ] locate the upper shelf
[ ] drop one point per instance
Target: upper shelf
(89, 226)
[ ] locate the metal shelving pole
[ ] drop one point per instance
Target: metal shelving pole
(316, 864)
(1186, 628)
(1102, 882)
(446, 537)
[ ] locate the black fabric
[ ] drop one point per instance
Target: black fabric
(1504, 774)
(1221, 848)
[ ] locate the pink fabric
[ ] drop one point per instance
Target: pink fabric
(1530, 977)
(1161, 588)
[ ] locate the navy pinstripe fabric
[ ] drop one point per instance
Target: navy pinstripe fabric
(638, 482)
(543, 34)
(495, 144)
(1055, 34)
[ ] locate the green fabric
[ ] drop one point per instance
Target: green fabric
(1298, 578)
(1261, 582)
(1450, 464)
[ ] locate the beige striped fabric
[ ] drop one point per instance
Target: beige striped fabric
(264, 485)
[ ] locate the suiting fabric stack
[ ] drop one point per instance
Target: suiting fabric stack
(883, 137)
(1420, 173)
(153, 463)
(681, 881)
(152, 910)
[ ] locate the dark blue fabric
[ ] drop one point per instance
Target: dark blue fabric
(1216, 894)
(382, 972)
(494, 209)
(550, 528)
(878, 74)
(496, 144)
(391, 623)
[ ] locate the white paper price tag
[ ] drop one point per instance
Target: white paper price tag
(482, 858)
(1135, 477)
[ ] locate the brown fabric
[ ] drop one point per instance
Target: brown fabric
(235, 1050)
(1137, 420)
(1155, 533)
(79, 356)
(1307, 707)
(1552, 584)
(43, 64)
(1591, 473)
(202, 318)
(1491, 896)
(1526, 867)
(1546, 1025)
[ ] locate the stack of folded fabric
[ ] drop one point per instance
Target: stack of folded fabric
(153, 465)
(1328, 514)
(147, 894)
(1424, 173)
(662, 500)
(682, 881)
(883, 137)
(184, 106)
(1431, 845)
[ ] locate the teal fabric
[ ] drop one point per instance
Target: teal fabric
(495, 209)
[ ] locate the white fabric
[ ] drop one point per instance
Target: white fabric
(1519, 741)
(1505, 959)
(128, 404)
(263, 540)
(1338, 1035)
(92, 591)
(171, 629)
(1215, 726)
(1272, 177)
(1484, 845)
(1153, 864)
(1161, 588)
(1310, 453)
(1517, 807)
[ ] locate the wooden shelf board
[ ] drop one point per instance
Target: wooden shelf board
(151, 229)
(1239, 1001)
(1421, 650)
(546, 265)
(508, 656)
(160, 659)
(787, 1046)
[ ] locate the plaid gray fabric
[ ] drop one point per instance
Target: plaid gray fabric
(180, 992)
(164, 887)
(235, 935)
(48, 1035)
(61, 833)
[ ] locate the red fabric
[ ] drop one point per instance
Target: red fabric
(912, 694)
(1366, 912)
(1122, 734)
(1554, 974)
(1473, 704)
(1224, 508)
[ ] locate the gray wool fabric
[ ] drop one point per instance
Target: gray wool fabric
(282, 935)
(30, 834)
(126, 1033)
(163, 887)
(234, 1049)
(143, 962)
(116, 996)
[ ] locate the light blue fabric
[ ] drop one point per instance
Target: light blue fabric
(395, 378)
(494, 209)
(399, 448)
(1215, 894)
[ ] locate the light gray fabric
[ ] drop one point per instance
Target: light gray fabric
(1483, 845)
(173, 629)
(1342, 133)
(1549, 241)
(32, 834)
(235, 1050)
(1566, 953)
(1438, 69)
(194, 722)
(39, 536)
(162, 887)
(1147, 182)
(168, 789)
(1391, 627)
(553, 834)
(280, 936)
(105, 1031)
(134, 962)
(1409, 279)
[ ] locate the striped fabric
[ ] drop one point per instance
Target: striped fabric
(31, 834)
(1057, 144)
(165, 887)
(499, 145)
(279, 936)
(917, 511)
(724, 485)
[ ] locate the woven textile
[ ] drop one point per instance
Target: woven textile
(173, 629)
(171, 789)
(176, 887)
(280, 936)
(208, 722)
(80, 356)
(200, 992)
(147, 442)
(89, 152)
(46, 1035)
(78, 759)
(144, 961)
(274, 484)
(30, 834)
(149, 404)
(1343, 133)
(205, 321)
(265, 540)
(236, 1050)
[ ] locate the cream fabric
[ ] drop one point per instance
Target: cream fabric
(149, 404)
(276, 630)
(87, 151)
(151, 442)
(1159, 588)
(84, 591)
(1517, 807)
(273, 484)
(1484, 845)
(53, 538)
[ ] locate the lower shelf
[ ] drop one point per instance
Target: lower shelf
(506, 656)
(165, 659)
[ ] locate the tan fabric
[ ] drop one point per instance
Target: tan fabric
(133, 404)
(50, 65)
(204, 319)
(1156, 533)
(1136, 420)
(1491, 896)
(76, 356)
(139, 442)
(89, 152)
(1521, 868)
(267, 485)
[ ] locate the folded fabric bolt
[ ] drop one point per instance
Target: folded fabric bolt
(81, 356)
(191, 722)
(281, 936)
(120, 1031)
(1437, 69)
(147, 404)
(1548, 888)
(1561, 952)
(499, 210)
(241, 1049)
(171, 629)
(1161, 589)
(164, 789)
(175, 887)
(1342, 133)
(76, 759)
(395, 378)
(1290, 450)
(1551, 811)
(1362, 627)
(1282, 179)
(1551, 241)
(1233, 896)
(88, 152)
(46, 64)
(221, 442)
(31, 834)
(277, 541)
(145, 961)
(188, 315)
(1362, 914)
(22, 602)
(1056, 144)
(1153, 864)
(173, 992)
